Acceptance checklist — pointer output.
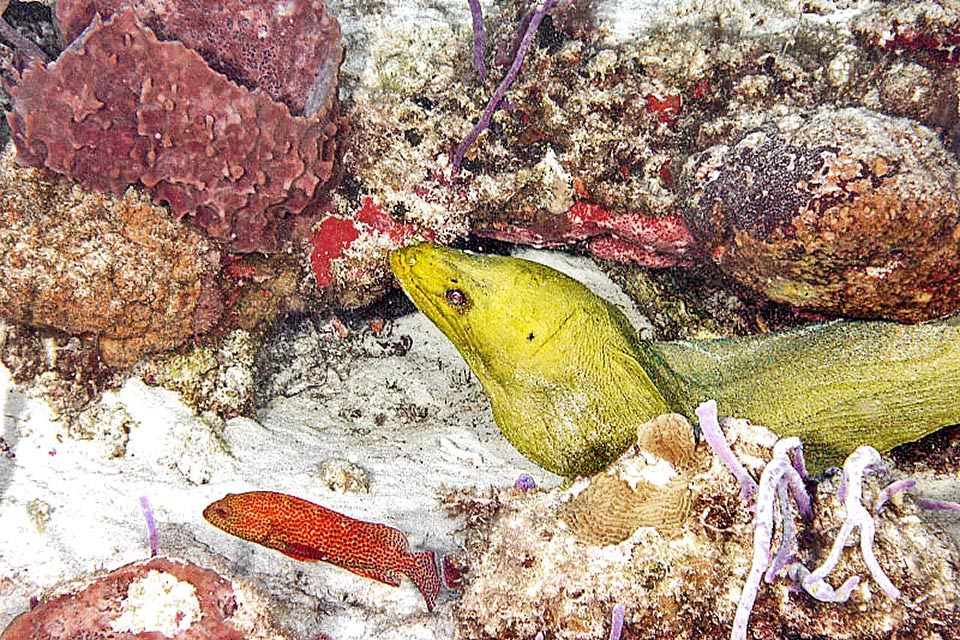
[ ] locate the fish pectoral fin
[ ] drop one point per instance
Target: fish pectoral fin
(386, 576)
(300, 551)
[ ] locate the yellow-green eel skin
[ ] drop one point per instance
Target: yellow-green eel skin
(569, 382)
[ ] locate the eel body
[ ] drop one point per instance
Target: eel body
(569, 383)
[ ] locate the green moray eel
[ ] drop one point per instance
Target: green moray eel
(569, 382)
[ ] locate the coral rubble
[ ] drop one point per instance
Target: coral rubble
(527, 571)
(214, 378)
(620, 121)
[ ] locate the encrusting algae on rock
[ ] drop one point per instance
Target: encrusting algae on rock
(86, 263)
(160, 597)
(847, 212)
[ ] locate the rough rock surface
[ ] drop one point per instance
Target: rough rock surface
(87, 263)
(846, 212)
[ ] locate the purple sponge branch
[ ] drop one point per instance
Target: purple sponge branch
(616, 621)
(792, 449)
(508, 79)
(850, 493)
(478, 53)
(891, 490)
(938, 505)
(713, 434)
(788, 533)
(151, 524)
(821, 589)
(778, 481)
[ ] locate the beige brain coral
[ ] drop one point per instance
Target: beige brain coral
(649, 486)
(113, 267)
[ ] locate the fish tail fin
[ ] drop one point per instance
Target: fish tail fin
(422, 569)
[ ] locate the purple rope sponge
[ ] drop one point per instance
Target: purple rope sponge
(478, 54)
(938, 505)
(508, 79)
(783, 479)
(151, 524)
(850, 493)
(713, 434)
(779, 481)
(616, 621)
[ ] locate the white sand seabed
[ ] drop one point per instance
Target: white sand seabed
(67, 509)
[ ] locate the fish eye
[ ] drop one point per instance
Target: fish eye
(456, 297)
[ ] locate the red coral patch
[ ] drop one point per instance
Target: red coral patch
(666, 109)
(332, 237)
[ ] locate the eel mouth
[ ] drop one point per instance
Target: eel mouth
(403, 263)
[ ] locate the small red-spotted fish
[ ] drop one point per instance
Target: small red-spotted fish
(307, 531)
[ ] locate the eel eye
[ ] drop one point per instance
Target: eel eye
(456, 297)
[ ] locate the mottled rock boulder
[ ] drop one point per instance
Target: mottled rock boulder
(116, 268)
(844, 212)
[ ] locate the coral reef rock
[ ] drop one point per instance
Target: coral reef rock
(214, 378)
(65, 370)
(929, 30)
(528, 571)
(159, 598)
(348, 256)
(294, 59)
(120, 107)
(86, 263)
(846, 212)
(649, 486)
